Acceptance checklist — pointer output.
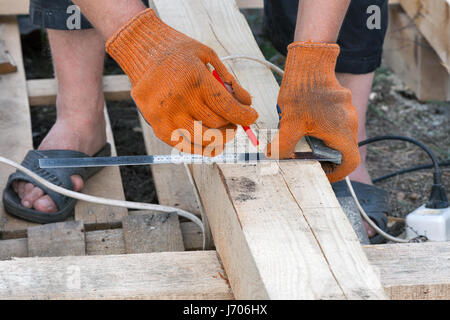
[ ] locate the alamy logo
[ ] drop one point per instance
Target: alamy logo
(74, 20)
(374, 20)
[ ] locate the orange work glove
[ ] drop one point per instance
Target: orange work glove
(173, 87)
(313, 103)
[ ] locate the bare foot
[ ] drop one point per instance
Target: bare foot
(87, 137)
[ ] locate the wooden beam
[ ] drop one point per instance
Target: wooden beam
(168, 275)
(15, 124)
(57, 239)
(43, 91)
(7, 64)
(412, 58)
(148, 232)
(14, 7)
(432, 18)
(105, 242)
(250, 4)
(280, 234)
(13, 248)
(102, 242)
(413, 271)
(107, 184)
(407, 271)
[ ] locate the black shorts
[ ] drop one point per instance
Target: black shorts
(56, 14)
(361, 47)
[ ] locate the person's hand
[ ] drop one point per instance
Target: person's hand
(313, 103)
(173, 87)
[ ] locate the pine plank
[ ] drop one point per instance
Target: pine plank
(43, 91)
(167, 275)
(432, 18)
(15, 123)
(107, 184)
(250, 4)
(152, 232)
(7, 63)
(418, 271)
(192, 236)
(105, 242)
(57, 239)
(14, 7)
(13, 248)
(412, 58)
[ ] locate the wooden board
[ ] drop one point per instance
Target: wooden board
(270, 245)
(13, 248)
(7, 64)
(432, 18)
(152, 232)
(250, 4)
(413, 270)
(411, 57)
(105, 242)
(192, 236)
(15, 123)
(57, 239)
(102, 242)
(108, 184)
(14, 7)
(168, 275)
(43, 91)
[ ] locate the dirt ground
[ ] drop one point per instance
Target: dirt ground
(393, 109)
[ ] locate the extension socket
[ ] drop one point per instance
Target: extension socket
(432, 223)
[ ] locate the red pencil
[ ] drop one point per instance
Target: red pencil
(247, 129)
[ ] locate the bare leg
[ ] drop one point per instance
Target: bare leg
(80, 125)
(361, 86)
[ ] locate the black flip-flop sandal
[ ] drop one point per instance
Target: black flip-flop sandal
(60, 177)
(373, 200)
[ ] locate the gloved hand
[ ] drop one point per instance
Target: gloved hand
(313, 103)
(173, 87)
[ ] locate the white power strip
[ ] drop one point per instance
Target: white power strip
(432, 223)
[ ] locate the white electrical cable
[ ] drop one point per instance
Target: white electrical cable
(367, 218)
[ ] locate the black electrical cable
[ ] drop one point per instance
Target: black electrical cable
(437, 177)
(438, 197)
(410, 169)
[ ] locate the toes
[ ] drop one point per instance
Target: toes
(21, 189)
(45, 204)
(32, 196)
(370, 231)
(77, 182)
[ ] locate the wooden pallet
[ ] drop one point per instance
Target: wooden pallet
(289, 239)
